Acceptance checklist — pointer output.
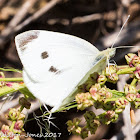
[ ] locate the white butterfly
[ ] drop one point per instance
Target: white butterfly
(55, 64)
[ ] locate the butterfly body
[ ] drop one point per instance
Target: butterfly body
(55, 64)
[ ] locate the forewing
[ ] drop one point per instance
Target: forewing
(54, 63)
(45, 54)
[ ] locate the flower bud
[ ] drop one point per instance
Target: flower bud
(137, 95)
(108, 105)
(13, 114)
(84, 133)
(110, 70)
(136, 60)
(129, 58)
(118, 110)
(77, 131)
(24, 102)
(98, 104)
(101, 79)
(95, 88)
(19, 125)
(81, 97)
(113, 78)
(129, 89)
(10, 134)
(21, 116)
(84, 100)
(131, 97)
(138, 66)
(93, 125)
(93, 91)
(121, 103)
(95, 96)
(137, 74)
(5, 129)
(102, 92)
(73, 126)
(89, 115)
(108, 117)
(137, 104)
(111, 73)
(108, 95)
(6, 133)
(110, 114)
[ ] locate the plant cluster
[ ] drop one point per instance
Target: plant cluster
(95, 93)
(17, 118)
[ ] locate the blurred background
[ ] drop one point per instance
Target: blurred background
(97, 21)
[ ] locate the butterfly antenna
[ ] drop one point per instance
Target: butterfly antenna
(127, 47)
(120, 31)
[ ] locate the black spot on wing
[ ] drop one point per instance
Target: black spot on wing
(30, 36)
(44, 55)
(54, 70)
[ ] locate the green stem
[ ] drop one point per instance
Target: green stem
(138, 99)
(11, 69)
(123, 67)
(111, 99)
(5, 90)
(11, 79)
(12, 125)
(21, 108)
(115, 92)
(134, 81)
(126, 70)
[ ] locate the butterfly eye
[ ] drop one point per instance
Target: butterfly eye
(44, 55)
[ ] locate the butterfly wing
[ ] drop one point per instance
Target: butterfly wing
(99, 65)
(54, 63)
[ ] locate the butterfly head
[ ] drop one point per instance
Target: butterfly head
(109, 52)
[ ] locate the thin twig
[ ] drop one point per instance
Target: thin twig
(84, 19)
(129, 35)
(36, 15)
(16, 19)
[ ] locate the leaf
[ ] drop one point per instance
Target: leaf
(26, 92)
(11, 69)
(6, 90)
